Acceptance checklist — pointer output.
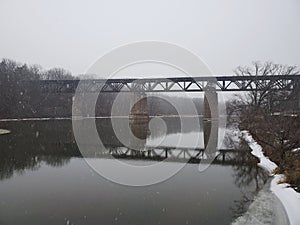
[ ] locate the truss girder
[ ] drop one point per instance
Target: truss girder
(177, 84)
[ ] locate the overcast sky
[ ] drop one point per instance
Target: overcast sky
(224, 33)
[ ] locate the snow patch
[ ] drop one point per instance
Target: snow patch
(296, 150)
(265, 162)
(289, 198)
(3, 131)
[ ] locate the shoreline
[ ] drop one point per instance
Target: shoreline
(288, 197)
(266, 208)
(85, 118)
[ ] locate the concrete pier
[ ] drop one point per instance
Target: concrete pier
(210, 120)
(138, 108)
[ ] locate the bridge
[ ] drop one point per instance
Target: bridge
(176, 84)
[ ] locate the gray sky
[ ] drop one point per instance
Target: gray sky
(224, 33)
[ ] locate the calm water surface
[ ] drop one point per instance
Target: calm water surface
(45, 180)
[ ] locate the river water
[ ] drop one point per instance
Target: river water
(45, 180)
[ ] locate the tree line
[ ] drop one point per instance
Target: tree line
(20, 98)
(17, 98)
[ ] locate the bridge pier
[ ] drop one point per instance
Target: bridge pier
(139, 108)
(138, 120)
(140, 131)
(210, 119)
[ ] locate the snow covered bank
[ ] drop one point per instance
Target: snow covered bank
(288, 196)
(265, 162)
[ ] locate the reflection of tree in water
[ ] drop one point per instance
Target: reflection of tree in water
(32, 143)
(247, 174)
(246, 171)
(17, 162)
(56, 160)
(11, 163)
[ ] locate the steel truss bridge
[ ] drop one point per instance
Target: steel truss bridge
(175, 84)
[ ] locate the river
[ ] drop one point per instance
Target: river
(45, 180)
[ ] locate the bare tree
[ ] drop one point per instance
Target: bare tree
(57, 74)
(266, 98)
(278, 133)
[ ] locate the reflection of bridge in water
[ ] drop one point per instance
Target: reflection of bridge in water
(53, 142)
(169, 154)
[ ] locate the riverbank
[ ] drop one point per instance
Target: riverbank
(289, 198)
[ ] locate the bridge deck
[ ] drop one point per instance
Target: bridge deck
(175, 84)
